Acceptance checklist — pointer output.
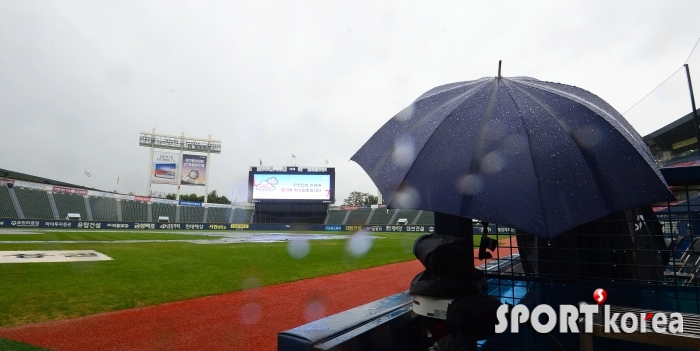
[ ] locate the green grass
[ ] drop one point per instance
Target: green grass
(101, 236)
(144, 274)
(9, 345)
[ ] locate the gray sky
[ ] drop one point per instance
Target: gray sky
(80, 80)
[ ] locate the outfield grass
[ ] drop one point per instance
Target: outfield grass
(102, 236)
(143, 274)
(10, 345)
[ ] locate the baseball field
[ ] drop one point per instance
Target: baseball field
(152, 268)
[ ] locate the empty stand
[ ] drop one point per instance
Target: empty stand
(34, 203)
(189, 214)
(241, 215)
(337, 216)
(382, 216)
(359, 216)
(218, 215)
(410, 215)
(426, 218)
(103, 208)
(7, 209)
(70, 203)
(133, 211)
(158, 209)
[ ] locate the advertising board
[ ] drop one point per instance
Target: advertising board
(290, 186)
(164, 168)
(59, 189)
(194, 170)
(65, 224)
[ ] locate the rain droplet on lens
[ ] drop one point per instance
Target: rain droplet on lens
(406, 197)
(250, 313)
(404, 150)
(493, 162)
(405, 114)
(359, 243)
(314, 311)
(250, 283)
(298, 248)
(470, 184)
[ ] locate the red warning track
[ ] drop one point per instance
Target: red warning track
(245, 320)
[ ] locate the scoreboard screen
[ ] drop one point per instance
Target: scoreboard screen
(291, 186)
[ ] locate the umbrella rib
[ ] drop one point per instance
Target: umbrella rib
(632, 136)
(532, 154)
(474, 89)
(566, 127)
(381, 161)
(473, 82)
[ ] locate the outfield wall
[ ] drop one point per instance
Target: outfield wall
(63, 224)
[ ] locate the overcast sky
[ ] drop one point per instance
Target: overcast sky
(80, 80)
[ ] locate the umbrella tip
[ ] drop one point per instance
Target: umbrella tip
(499, 69)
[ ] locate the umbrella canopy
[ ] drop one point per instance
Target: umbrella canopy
(538, 156)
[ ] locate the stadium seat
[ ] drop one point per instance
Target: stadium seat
(336, 216)
(426, 218)
(34, 203)
(70, 203)
(381, 216)
(189, 214)
(408, 214)
(167, 210)
(218, 215)
(359, 216)
(133, 211)
(103, 208)
(7, 209)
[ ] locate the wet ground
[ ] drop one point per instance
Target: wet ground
(223, 237)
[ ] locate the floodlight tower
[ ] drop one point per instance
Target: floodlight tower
(173, 173)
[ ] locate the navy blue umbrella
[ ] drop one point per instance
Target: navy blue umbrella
(538, 156)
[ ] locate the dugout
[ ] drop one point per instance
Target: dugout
(73, 217)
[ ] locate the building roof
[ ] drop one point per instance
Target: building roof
(30, 178)
(678, 130)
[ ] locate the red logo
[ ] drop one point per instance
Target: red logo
(648, 317)
(600, 295)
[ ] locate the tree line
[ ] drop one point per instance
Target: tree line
(358, 198)
(213, 198)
